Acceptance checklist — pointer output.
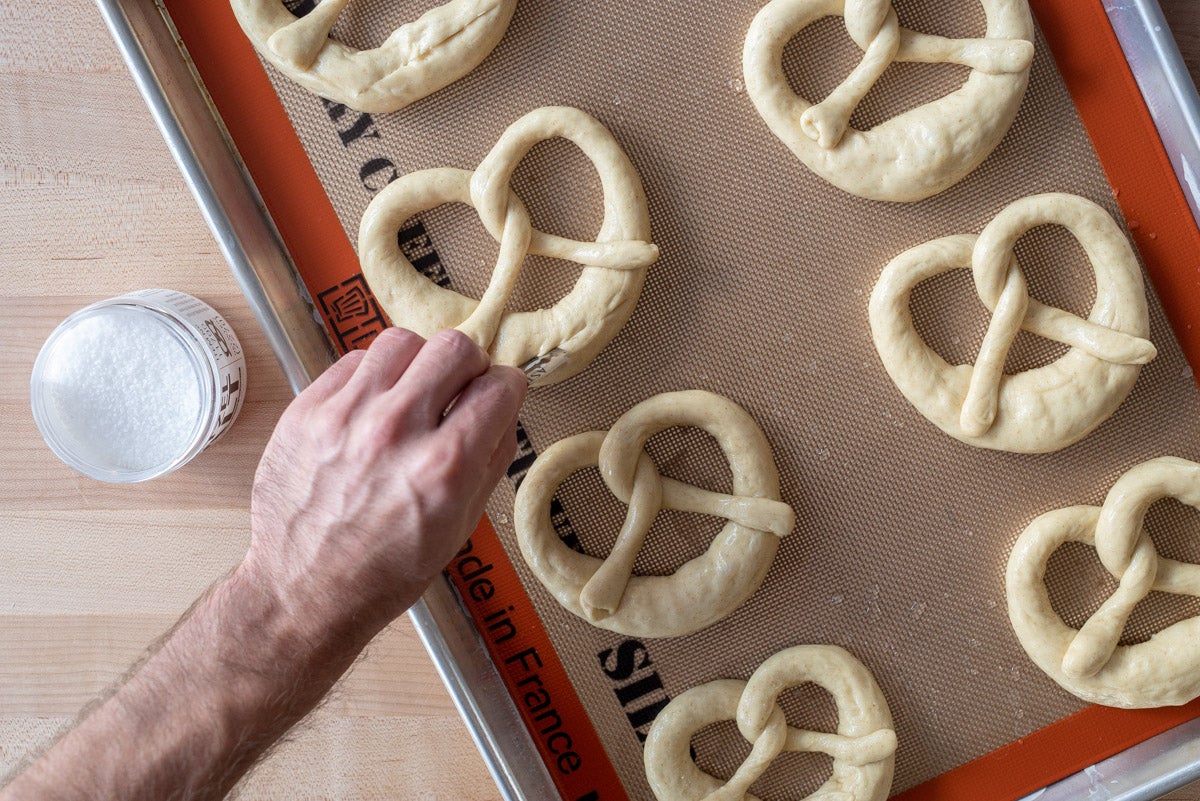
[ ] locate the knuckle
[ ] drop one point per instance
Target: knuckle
(503, 386)
(396, 336)
(332, 415)
(326, 438)
(374, 443)
(508, 447)
(453, 452)
(459, 344)
(352, 358)
(441, 468)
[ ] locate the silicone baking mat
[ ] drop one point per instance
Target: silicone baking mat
(761, 295)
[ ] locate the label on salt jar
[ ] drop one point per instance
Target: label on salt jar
(221, 342)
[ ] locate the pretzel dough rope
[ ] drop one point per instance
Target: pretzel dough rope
(1041, 409)
(863, 749)
(417, 59)
(914, 154)
(1002, 288)
(874, 27)
(509, 224)
(1090, 662)
(568, 334)
(724, 577)
(633, 477)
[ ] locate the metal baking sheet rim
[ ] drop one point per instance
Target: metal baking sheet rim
(260, 262)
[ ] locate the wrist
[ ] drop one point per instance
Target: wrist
(323, 609)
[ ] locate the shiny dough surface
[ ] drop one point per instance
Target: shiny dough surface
(1038, 410)
(417, 59)
(863, 747)
(912, 155)
(705, 589)
(1089, 662)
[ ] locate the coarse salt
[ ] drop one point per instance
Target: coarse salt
(125, 392)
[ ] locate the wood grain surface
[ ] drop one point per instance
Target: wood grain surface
(92, 206)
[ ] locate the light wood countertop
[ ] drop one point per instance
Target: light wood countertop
(92, 206)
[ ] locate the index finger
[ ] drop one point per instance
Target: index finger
(484, 413)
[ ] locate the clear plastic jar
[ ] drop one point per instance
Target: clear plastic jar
(137, 386)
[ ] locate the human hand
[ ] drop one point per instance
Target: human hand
(368, 486)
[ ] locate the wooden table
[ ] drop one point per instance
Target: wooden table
(92, 206)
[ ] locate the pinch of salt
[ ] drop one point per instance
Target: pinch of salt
(124, 390)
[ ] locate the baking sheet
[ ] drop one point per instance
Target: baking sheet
(905, 573)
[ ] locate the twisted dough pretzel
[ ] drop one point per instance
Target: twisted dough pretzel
(577, 327)
(863, 749)
(1089, 662)
(702, 591)
(915, 154)
(419, 58)
(1038, 410)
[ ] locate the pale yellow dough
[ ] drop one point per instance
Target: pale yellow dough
(419, 58)
(577, 327)
(705, 589)
(1089, 662)
(1039, 410)
(915, 154)
(863, 749)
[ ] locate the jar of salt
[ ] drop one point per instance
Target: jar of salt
(134, 387)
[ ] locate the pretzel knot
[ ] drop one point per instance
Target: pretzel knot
(705, 589)
(1038, 410)
(1090, 662)
(419, 58)
(863, 749)
(915, 154)
(573, 330)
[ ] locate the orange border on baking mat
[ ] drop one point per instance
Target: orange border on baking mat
(1132, 154)
(272, 152)
(1160, 221)
(1125, 138)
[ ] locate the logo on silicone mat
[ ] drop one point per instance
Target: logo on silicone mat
(356, 318)
(630, 662)
(534, 693)
(300, 8)
(418, 249)
(353, 313)
(355, 127)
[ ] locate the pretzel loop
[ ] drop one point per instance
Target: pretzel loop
(994, 267)
(1045, 408)
(1090, 662)
(705, 589)
(912, 155)
(619, 245)
(863, 748)
(581, 323)
(417, 59)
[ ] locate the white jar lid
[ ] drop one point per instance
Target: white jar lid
(121, 394)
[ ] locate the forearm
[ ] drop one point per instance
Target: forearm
(372, 480)
(238, 671)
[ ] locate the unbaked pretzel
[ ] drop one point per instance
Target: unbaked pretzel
(1045, 408)
(1089, 662)
(915, 154)
(702, 591)
(577, 327)
(863, 749)
(419, 58)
